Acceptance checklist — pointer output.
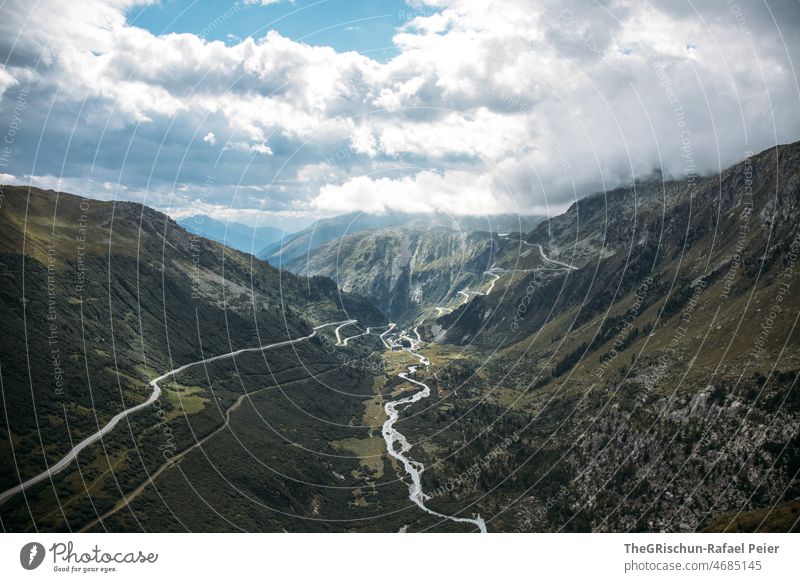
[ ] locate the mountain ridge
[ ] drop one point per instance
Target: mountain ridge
(100, 298)
(630, 351)
(237, 235)
(326, 231)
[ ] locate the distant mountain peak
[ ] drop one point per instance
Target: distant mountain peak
(238, 235)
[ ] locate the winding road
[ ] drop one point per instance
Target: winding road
(496, 277)
(391, 435)
(369, 331)
(336, 331)
(154, 395)
(547, 259)
(391, 327)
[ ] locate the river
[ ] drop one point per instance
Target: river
(398, 446)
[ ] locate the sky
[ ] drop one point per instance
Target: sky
(276, 112)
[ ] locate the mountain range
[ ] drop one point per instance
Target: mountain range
(236, 235)
(98, 299)
(644, 342)
(629, 365)
(327, 231)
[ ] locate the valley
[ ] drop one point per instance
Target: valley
(397, 444)
(629, 365)
(626, 359)
(156, 393)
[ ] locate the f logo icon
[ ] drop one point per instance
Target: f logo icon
(31, 555)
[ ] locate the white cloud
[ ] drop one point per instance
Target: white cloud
(253, 148)
(6, 80)
(398, 94)
(519, 105)
(114, 186)
(479, 133)
(260, 148)
(455, 192)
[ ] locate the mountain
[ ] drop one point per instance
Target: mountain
(406, 271)
(234, 234)
(100, 298)
(328, 230)
(628, 365)
(651, 333)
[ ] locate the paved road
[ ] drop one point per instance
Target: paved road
(76, 450)
(496, 277)
(391, 327)
(547, 259)
(336, 331)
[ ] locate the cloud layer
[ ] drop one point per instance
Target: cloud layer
(503, 106)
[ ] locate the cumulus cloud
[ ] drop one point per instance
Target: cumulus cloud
(455, 192)
(255, 148)
(485, 108)
(6, 81)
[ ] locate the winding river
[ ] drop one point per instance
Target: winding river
(398, 446)
(396, 443)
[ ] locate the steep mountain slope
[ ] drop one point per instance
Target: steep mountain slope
(236, 235)
(98, 299)
(660, 371)
(328, 231)
(629, 365)
(407, 272)
(722, 229)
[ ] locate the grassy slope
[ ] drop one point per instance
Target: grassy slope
(153, 297)
(711, 394)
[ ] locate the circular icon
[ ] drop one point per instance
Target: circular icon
(31, 555)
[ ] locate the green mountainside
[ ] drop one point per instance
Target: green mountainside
(654, 384)
(98, 299)
(640, 352)
(630, 365)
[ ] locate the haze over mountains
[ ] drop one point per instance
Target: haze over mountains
(239, 236)
(628, 365)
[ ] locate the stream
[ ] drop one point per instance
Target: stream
(398, 446)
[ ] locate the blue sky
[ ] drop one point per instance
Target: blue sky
(308, 109)
(366, 26)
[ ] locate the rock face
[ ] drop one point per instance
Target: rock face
(406, 271)
(660, 373)
(686, 458)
